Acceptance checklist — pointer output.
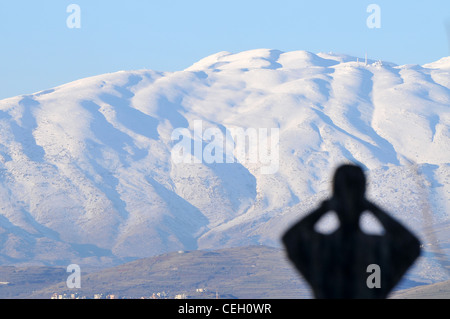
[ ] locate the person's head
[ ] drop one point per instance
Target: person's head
(349, 187)
(349, 180)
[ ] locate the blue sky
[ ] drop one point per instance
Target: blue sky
(38, 50)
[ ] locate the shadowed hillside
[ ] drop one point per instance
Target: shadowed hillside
(246, 272)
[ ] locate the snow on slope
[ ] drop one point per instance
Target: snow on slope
(86, 173)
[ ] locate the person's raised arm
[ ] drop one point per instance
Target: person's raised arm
(389, 223)
(305, 227)
(300, 239)
(406, 243)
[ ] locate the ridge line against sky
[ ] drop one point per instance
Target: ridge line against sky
(40, 49)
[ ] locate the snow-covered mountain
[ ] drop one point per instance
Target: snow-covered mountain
(87, 174)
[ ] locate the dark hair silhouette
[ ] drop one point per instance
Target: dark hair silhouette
(336, 265)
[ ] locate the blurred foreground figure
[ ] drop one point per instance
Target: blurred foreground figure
(350, 263)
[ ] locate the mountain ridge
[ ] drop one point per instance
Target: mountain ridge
(86, 173)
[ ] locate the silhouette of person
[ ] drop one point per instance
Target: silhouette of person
(336, 265)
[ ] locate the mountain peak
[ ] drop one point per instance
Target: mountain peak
(443, 63)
